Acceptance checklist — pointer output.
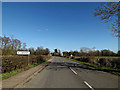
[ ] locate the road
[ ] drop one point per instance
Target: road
(64, 73)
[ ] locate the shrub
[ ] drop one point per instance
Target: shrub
(109, 62)
(115, 63)
(39, 58)
(12, 63)
(105, 62)
(83, 59)
(102, 62)
(72, 57)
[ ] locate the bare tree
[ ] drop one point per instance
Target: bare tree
(40, 50)
(55, 50)
(24, 46)
(109, 12)
(47, 51)
(9, 46)
(32, 51)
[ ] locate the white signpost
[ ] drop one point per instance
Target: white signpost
(24, 53)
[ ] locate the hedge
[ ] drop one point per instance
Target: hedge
(106, 62)
(12, 63)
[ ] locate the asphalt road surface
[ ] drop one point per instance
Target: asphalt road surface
(63, 73)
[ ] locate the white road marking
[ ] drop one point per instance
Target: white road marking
(88, 85)
(73, 71)
(60, 66)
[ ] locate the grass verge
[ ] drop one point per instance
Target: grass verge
(107, 69)
(12, 73)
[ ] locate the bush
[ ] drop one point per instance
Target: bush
(72, 57)
(115, 63)
(39, 58)
(102, 62)
(83, 59)
(109, 62)
(12, 63)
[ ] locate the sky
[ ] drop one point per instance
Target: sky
(63, 25)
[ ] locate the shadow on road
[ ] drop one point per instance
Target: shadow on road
(55, 65)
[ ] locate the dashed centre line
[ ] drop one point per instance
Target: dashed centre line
(73, 71)
(84, 81)
(88, 85)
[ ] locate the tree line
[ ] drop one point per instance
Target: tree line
(84, 51)
(10, 46)
(104, 52)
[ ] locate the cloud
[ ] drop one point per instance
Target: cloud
(42, 28)
(46, 29)
(39, 30)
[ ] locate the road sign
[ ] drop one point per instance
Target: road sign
(23, 53)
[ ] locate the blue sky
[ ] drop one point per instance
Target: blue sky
(66, 26)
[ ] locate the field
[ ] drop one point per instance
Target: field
(106, 57)
(111, 62)
(108, 64)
